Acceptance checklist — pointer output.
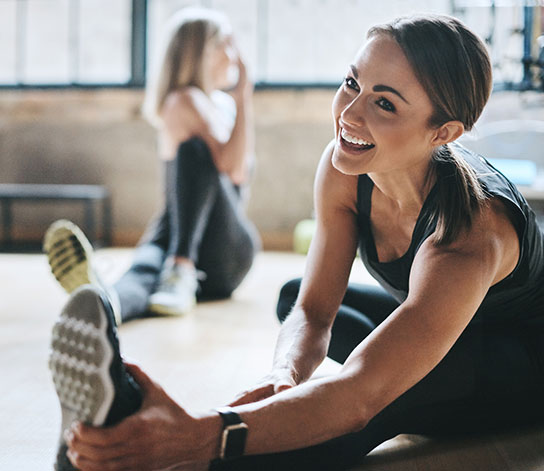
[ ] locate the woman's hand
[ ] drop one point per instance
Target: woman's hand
(160, 435)
(244, 87)
(276, 381)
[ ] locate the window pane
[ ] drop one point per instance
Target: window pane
(46, 55)
(315, 40)
(65, 41)
(104, 41)
(504, 30)
(159, 11)
(7, 42)
(243, 15)
(297, 40)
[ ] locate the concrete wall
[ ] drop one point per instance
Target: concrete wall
(99, 137)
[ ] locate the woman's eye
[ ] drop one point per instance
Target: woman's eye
(351, 83)
(386, 105)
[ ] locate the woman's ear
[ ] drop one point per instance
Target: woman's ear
(448, 132)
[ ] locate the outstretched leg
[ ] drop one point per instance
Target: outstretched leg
(137, 284)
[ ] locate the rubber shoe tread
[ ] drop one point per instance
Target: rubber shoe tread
(90, 378)
(69, 255)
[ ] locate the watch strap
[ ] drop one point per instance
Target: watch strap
(233, 439)
(229, 416)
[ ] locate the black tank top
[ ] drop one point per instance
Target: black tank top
(519, 298)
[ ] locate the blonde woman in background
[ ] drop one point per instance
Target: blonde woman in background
(201, 244)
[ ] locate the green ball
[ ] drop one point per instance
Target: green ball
(302, 236)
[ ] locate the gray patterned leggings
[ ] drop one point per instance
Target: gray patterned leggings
(203, 220)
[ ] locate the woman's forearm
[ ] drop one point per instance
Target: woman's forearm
(238, 150)
(302, 345)
(298, 417)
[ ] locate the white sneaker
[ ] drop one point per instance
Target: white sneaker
(69, 254)
(176, 293)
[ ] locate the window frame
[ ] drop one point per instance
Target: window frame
(138, 62)
(138, 54)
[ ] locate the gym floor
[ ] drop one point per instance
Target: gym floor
(202, 360)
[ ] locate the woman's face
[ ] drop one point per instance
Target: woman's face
(222, 65)
(381, 113)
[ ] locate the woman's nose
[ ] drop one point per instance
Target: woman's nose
(353, 112)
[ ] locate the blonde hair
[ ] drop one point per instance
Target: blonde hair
(188, 35)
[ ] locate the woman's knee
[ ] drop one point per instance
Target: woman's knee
(224, 269)
(288, 296)
(194, 154)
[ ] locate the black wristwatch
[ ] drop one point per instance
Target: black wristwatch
(233, 439)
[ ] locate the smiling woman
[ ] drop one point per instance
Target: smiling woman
(433, 86)
(452, 341)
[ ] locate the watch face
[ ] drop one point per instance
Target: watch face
(233, 441)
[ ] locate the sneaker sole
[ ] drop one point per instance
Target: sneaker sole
(165, 310)
(80, 360)
(69, 254)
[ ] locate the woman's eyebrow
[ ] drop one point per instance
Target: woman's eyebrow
(354, 71)
(379, 88)
(385, 88)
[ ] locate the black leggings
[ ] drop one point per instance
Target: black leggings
(491, 379)
(203, 220)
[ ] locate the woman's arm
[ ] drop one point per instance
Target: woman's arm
(304, 337)
(447, 285)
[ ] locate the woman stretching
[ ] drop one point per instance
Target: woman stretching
(206, 142)
(452, 343)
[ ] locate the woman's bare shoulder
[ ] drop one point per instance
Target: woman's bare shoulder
(490, 241)
(333, 188)
(493, 222)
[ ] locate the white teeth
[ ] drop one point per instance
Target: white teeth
(354, 140)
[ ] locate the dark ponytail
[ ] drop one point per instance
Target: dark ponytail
(460, 194)
(453, 66)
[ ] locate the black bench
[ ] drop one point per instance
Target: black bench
(89, 195)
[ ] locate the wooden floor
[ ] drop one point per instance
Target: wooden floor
(203, 360)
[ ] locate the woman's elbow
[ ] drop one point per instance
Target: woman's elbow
(359, 419)
(359, 414)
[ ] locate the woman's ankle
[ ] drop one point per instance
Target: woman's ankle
(183, 261)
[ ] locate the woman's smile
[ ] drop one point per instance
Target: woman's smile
(350, 145)
(355, 142)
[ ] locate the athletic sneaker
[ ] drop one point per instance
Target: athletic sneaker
(176, 293)
(90, 378)
(69, 254)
